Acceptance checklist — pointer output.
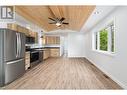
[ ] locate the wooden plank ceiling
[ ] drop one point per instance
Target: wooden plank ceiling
(75, 15)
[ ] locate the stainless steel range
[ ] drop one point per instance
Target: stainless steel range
(34, 57)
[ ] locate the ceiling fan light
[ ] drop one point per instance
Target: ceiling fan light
(58, 24)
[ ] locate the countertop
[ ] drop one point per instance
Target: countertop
(46, 46)
(51, 47)
(42, 48)
(27, 51)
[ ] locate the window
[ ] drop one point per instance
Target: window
(104, 39)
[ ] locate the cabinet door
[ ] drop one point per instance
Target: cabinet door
(23, 30)
(54, 52)
(26, 31)
(20, 29)
(46, 54)
(12, 26)
(52, 40)
(27, 60)
(29, 33)
(57, 40)
(43, 40)
(36, 37)
(46, 40)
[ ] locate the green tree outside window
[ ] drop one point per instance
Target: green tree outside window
(104, 40)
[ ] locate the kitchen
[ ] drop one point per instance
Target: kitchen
(26, 46)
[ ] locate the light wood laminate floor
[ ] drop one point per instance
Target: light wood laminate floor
(63, 73)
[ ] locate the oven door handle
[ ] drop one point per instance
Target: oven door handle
(34, 52)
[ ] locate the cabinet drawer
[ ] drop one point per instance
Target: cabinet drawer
(27, 57)
(28, 65)
(27, 61)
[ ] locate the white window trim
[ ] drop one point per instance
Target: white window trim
(109, 39)
(98, 41)
(112, 54)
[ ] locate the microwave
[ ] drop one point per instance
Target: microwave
(30, 40)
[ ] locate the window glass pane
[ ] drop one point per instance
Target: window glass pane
(104, 40)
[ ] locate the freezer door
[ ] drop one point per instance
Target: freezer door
(21, 45)
(10, 45)
(14, 70)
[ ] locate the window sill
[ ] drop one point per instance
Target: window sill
(105, 53)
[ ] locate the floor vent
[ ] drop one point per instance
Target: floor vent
(105, 76)
(92, 64)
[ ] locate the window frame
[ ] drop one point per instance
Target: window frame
(109, 50)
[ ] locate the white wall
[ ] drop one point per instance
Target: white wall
(64, 45)
(3, 25)
(71, 41)
(115, 66)
(76, 46)
(61, 45)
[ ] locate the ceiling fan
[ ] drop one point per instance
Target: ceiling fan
(58, 22)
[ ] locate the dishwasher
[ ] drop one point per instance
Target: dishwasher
(40, 55)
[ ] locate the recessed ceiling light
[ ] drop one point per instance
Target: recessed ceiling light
(96, 12)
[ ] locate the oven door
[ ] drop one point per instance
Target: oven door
(34, 56)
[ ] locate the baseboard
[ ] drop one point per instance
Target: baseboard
(108, 74)
(76, 57)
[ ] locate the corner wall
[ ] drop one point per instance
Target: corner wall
(76, 46)
(114, 66)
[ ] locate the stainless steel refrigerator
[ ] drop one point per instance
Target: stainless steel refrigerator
(12, 55)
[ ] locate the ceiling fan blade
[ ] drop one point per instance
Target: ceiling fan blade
(62, 19)
(52, 19)
(65, 23)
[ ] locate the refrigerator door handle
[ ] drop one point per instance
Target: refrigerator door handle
(19, 44)
(16, 45)
(12, 62)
